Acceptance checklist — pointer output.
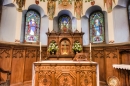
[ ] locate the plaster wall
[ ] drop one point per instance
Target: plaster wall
(15, 26)
(121, 28)
(8, 24)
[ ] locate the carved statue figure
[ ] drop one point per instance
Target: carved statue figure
(20, 4)
(78, 8)
(51, 9)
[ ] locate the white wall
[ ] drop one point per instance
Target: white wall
(121, 28)
(43, 30)
(85, 29)
(8, 24)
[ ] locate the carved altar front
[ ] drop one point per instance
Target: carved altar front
(65, 73)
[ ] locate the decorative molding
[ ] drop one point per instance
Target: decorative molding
(4, 52)
(124, 51)
(18, 53)
(99, 53)
(30, 53)
(114, 53)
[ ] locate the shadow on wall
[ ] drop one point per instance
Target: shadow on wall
(1, 2)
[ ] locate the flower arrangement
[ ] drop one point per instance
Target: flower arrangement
(76, 47)
(53, 47)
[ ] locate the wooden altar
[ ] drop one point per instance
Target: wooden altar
(65, 73)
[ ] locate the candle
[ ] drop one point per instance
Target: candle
(40, 51)
(90, 47)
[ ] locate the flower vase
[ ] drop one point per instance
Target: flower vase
(53, 53)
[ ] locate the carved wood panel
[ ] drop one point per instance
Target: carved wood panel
(65, 75)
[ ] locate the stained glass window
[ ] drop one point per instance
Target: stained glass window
(129, 12)
(65, 23)
(32, 27)
(97, 28)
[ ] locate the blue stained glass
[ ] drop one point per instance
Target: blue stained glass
(65, 24)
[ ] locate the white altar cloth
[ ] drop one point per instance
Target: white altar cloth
(121, 66)
(56, 62)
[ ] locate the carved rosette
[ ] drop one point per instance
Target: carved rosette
(66, 79)
(45, 78)
(86, 78)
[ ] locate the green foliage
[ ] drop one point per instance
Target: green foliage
(77, 47)
(53, 47)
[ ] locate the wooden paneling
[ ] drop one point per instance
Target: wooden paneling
(18, 59)
(30, 57)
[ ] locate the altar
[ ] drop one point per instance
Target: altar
(65, 73)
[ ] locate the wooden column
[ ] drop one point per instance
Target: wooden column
(53, 78)
(78, 78)
(36, 75)
(36, 78)
(94, 79)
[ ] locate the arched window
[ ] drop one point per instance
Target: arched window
(97, 27)
(32, 26)
(65, 24)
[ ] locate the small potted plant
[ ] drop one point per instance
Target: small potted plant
(76, 47)
(53, 47)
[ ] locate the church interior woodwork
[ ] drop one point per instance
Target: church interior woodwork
(19, 59)
(65, 42)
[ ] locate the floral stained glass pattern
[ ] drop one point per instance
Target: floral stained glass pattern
(32, 29)
(97, 28)
(65, 23)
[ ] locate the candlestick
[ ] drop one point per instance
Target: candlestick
(40, 51)
(90, 47)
